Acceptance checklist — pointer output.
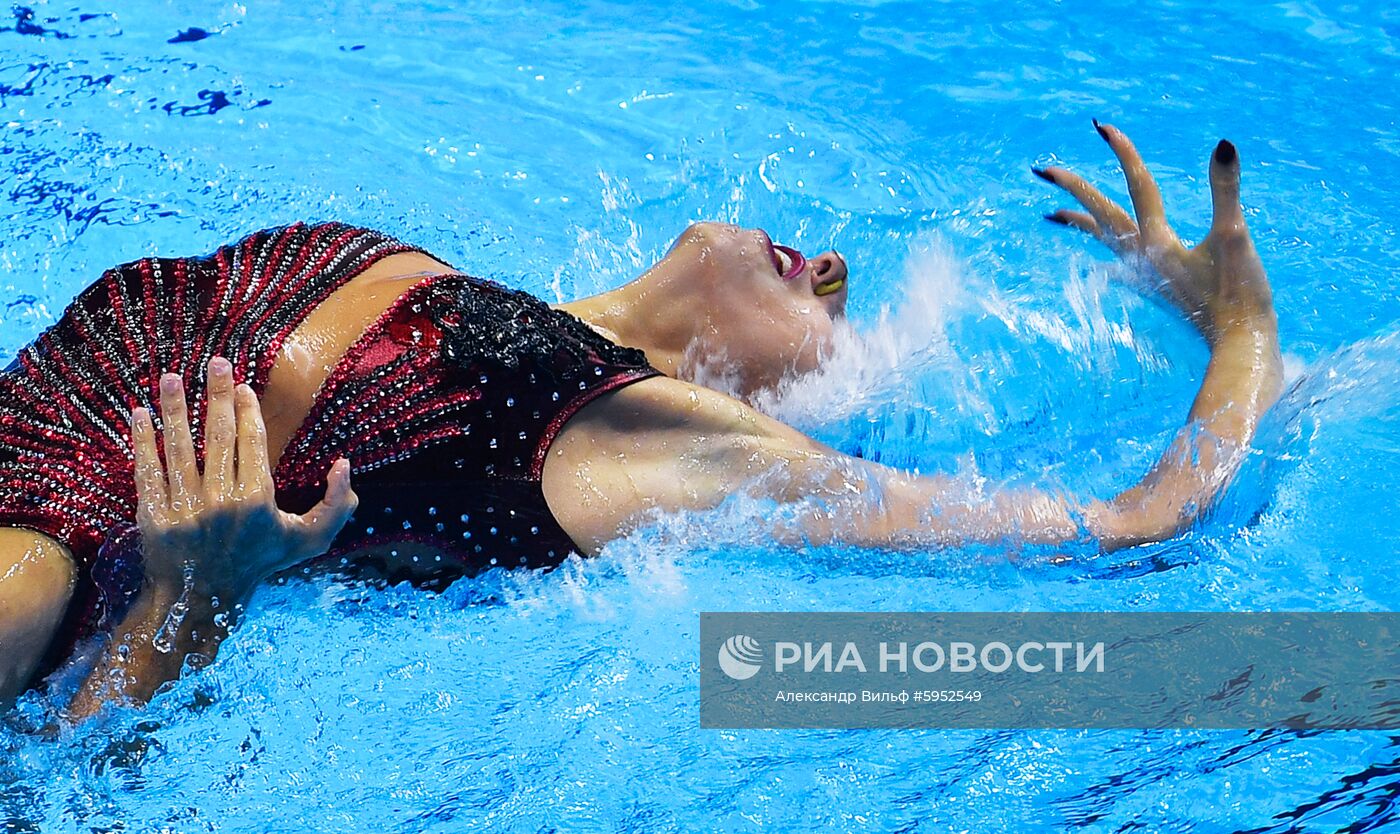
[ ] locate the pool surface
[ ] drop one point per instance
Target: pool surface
(560, 147)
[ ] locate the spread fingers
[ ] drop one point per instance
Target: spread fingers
(1225, 189)
(1146, 197)
(1115, 227)
(1083, 221)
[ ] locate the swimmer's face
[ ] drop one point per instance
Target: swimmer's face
(760, 313)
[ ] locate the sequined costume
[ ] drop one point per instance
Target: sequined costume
(445, 406)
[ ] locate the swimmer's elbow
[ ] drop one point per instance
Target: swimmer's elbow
(1127, 522)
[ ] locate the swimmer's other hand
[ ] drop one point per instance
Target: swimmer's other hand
(1218, 283)
(220, 529)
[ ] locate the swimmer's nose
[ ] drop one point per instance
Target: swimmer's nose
(829, 276)
(829, 266)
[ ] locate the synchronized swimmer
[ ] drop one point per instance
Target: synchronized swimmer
(191, 427)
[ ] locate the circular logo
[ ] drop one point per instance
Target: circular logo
(740, 657)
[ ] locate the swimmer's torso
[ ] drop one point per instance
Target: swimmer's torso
(444, 391)
(311, 352)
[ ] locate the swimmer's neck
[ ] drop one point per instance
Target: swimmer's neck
(635, 316)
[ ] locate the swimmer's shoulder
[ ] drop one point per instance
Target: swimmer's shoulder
(661, 404)
(665, 417)
(659, 443)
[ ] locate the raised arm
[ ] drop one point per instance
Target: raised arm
(1221, 287)
(207, 538)
(701, 446)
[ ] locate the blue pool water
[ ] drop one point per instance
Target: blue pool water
(560, 147)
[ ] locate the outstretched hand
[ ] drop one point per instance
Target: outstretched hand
(221, 527)
(1215, 283)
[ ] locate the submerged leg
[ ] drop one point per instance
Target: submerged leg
(36, 583)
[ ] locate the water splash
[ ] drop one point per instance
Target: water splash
(881, 362)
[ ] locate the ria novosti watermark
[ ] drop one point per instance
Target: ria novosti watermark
(1123, 670)
(927, 656)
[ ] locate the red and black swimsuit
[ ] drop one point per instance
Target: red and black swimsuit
(445, 406)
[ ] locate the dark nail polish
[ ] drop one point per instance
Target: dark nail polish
(1055, 218)
(1225, 152)
(1101, 129)
(1043, 174)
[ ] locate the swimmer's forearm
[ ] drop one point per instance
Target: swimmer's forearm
(1243, 380)
(866, 504)
(150, 647)
(870, 505)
